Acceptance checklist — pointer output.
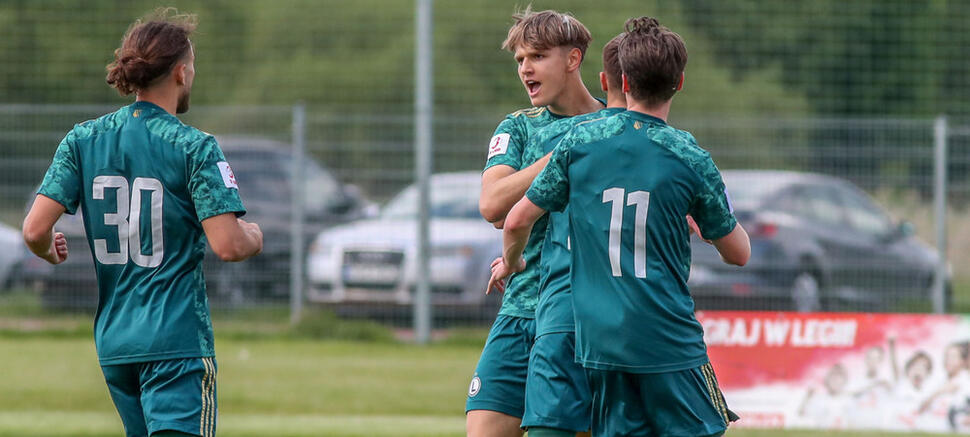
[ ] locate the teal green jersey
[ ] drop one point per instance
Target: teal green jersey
(554, 311)
(510, 146)
(629, 181)
(143, 182)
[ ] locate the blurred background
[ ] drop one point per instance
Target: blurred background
(842, 129)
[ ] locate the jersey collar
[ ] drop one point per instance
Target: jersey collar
(643, 117)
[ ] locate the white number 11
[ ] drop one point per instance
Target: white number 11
(642, 201)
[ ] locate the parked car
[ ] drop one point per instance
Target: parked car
(12, 253)
(263, 167)
(817, 243)
(375, 261)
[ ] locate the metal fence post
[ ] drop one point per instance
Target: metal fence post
(297, 181)
(423, 130)
(939, 209)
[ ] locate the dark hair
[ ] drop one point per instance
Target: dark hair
(611, 63)
(653, 59)
(545, 30)
(149, 49)
(920, 355)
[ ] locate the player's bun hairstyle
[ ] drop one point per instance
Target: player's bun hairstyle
(653, 59)
(611, 63)
(545, 30)
(150, 48)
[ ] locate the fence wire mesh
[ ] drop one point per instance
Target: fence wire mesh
(847, 90)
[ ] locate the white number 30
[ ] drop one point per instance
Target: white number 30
(128, 220)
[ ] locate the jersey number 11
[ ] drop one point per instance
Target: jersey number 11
(642, 201)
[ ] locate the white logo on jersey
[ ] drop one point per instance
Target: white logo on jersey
(498, 145)
(474, 387)
(227, 176)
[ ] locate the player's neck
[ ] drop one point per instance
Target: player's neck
(166, 100)
(660, 111)
(575, 99)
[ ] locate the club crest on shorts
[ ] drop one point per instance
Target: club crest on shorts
(474, 387)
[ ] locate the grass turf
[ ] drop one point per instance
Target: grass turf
(267, 386)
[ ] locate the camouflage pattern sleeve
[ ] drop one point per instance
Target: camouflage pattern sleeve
(62, 183)
(507, 144)
(550, 189)
(211, 181)
(711, 208)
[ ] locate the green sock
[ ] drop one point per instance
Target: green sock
(549, 432)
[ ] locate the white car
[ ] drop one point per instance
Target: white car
(374, 260)
(12, 252)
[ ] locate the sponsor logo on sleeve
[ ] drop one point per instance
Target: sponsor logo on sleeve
(227, 176)
(474, 387)
(499, 145)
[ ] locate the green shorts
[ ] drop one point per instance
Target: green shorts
(556, 391)
(168, 395)
(499, 380)
(683, 403)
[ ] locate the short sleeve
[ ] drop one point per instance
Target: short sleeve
(711, 208)
(62, 183)
(507, 145)
(212, 182)
(550, 189)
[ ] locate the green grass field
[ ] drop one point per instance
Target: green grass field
(269, 385)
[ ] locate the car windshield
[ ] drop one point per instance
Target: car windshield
(449, 199)
(265, 177)
(746, 191)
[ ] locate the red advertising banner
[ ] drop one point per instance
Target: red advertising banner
(899, 372)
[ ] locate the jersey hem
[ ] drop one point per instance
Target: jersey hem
(556, 329)
(522, 314)
(131, 359)
(209, 214)
(665, 368)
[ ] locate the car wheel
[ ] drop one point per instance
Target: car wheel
(806, 293)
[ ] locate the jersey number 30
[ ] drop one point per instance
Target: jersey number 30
(642, 201)
(128, 220)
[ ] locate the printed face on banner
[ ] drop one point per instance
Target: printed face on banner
(892, 372)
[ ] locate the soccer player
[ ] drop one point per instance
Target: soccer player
(549, 48)
(629, 181)
(557, 400)
(151, 191)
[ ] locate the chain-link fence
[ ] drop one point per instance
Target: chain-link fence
(774, 89)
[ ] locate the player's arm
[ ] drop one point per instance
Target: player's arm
(39, 232)
(233, 239)
(735, 247)
(503, 186)
(515, 236)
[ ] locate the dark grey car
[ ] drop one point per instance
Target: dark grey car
(263, 168)
(817, 243)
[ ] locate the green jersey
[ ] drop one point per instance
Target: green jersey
(144, 182)
(510, 146)
(630, 180)
(554, 311)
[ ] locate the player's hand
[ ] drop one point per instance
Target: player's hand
(58, 252)
(253, 230)
(694, 229)
(500, 271)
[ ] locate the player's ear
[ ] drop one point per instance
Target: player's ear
(626, 84)
(680, 85)
(603, 85)
(574, 58)
(178, 73)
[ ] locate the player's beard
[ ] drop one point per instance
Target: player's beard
(183, 104)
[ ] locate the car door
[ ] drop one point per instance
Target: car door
(822, 218)
(883, 265)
